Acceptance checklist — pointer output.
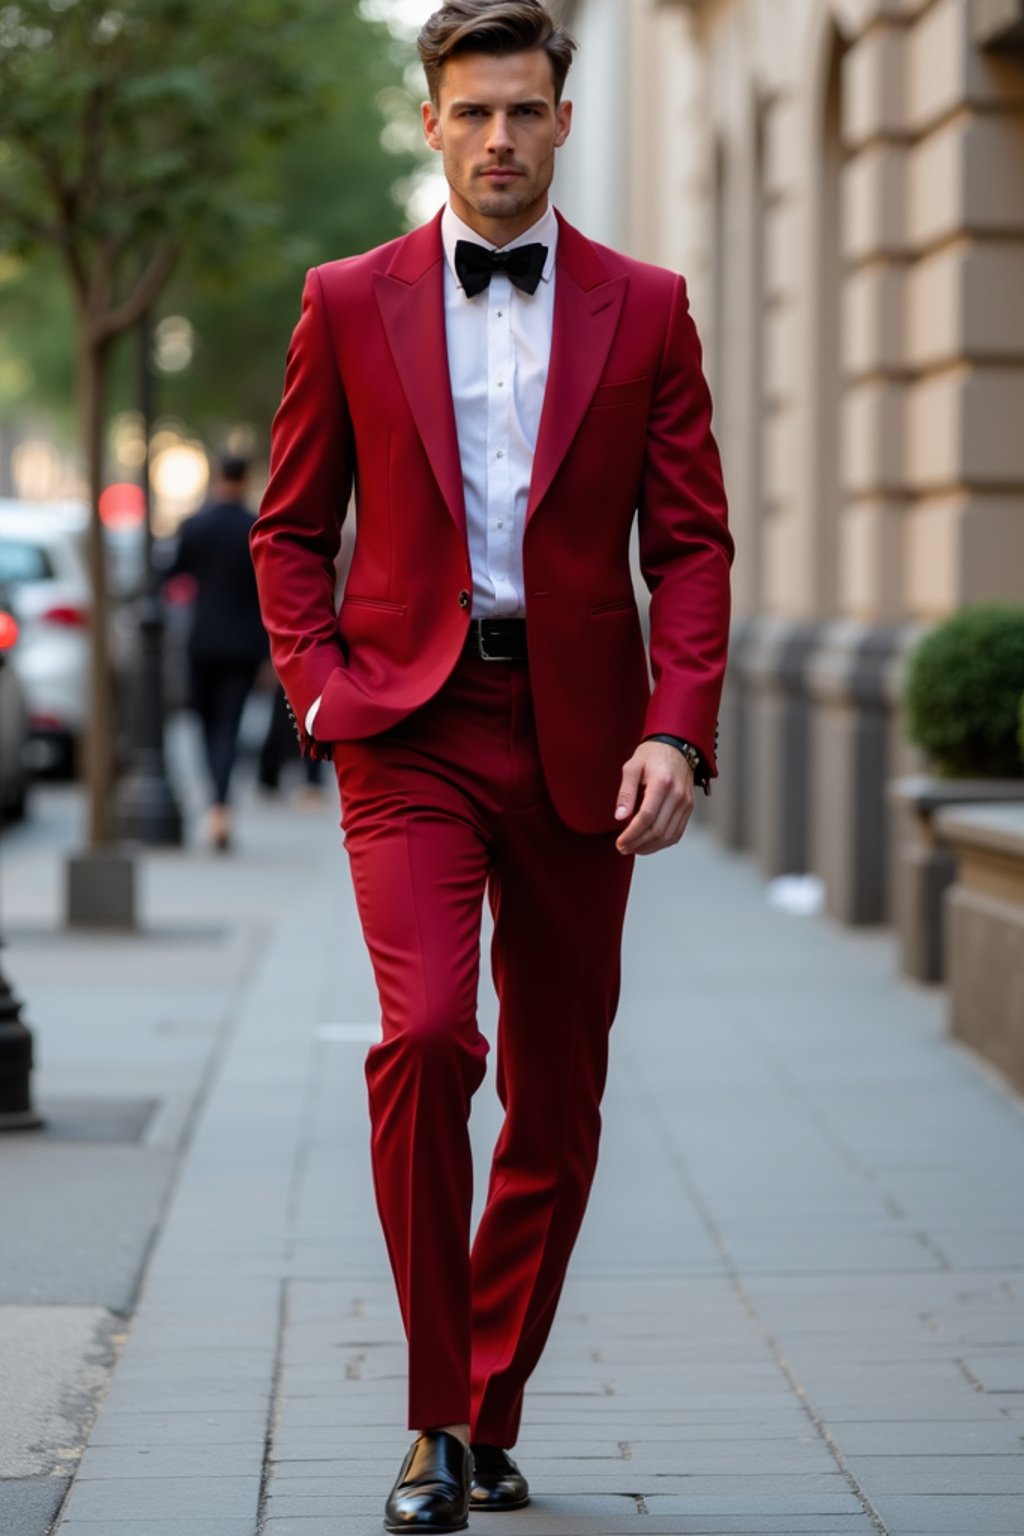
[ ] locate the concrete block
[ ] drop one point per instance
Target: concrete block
(931, 561)
(871, 545)
(963, 427)
(993, 308)
(925, 867)
(786, 571)
(873, 97)
(991, 548)
(871, 438)
(985, 933)
(872, 320)
(966, 177)
(946, 70)
(873, 194)
(935, 307)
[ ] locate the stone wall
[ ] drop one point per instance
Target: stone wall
(842, 182)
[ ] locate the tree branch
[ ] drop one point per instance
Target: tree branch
(122, 316)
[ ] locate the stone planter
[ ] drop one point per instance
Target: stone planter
(985, 932)
(925, 867)
(853, 682)
(777, 744)
(728, 809)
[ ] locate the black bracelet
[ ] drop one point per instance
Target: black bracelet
(694, 756)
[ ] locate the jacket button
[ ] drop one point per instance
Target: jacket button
(463, 599)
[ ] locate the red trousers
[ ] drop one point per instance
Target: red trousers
(442, 809)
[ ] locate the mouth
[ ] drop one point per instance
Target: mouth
(502, 175)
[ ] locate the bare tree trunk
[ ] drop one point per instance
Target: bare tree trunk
(100, 733)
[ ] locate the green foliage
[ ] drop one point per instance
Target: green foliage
(122, 124)
(963, 693)
(331, 188)
(1020, 729)
(248, 134)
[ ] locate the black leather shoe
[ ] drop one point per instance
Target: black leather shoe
(497, 1481)
(432, 1489)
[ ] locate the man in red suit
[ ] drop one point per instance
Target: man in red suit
(506, 397)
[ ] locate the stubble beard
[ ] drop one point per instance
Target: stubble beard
(507, 202)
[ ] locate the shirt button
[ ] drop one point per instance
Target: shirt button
(463, 599)
(499, 523)
(501, 314)
(500, 454)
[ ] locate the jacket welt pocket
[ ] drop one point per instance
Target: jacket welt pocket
(621, 605)
(380, 603)
(629, 392)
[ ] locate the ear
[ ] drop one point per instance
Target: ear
(563, 118)
(431, 124)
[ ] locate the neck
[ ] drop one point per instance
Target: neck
(499, 231)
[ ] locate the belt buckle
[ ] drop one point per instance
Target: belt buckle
(481, 645)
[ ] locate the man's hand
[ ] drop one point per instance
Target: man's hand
(665, 779)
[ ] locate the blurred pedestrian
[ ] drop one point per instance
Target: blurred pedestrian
(227, 643)
(505, 394)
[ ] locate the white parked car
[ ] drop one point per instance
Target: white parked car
(43, 568)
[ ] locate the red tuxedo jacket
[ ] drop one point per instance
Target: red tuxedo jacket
(625, 431)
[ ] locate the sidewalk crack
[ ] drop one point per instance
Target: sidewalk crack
(274, 1407)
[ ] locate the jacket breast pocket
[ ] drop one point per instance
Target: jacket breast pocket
(627, 392)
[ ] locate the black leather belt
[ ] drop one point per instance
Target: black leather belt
(497, 639)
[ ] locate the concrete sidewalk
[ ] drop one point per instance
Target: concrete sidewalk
(796, 1307)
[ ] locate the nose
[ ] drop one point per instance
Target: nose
(499, 137)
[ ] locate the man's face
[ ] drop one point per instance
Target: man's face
(498, 127)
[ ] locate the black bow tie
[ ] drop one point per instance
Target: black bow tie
(476, 265)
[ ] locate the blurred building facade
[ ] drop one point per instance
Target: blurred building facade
(842, 183)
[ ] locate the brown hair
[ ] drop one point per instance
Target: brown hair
(495, 27)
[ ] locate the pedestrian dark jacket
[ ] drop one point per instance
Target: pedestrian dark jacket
(213, 547)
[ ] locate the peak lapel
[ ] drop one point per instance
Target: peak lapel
(410, 296)
(587, 309)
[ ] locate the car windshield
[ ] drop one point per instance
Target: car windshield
(20, 560)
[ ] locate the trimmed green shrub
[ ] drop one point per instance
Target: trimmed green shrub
(1020, 730)
(963, 692)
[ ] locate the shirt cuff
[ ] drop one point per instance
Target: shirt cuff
(311, 714)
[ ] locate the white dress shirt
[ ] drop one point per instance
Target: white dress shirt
(499, 348)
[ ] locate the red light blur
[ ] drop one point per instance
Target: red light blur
(122, 505)
(8, 630)
(67, 616)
